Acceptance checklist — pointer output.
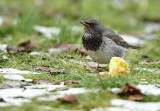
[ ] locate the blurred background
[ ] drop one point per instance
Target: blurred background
(49, 22)
(37, 35)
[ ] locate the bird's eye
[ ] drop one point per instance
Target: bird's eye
(91, 24)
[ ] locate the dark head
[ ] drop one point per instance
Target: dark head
(92, 26)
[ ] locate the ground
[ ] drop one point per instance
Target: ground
(17, 25)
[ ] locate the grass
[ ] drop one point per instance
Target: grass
(64, 14)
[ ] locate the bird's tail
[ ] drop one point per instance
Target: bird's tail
(134, 47)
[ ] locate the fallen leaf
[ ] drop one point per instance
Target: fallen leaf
(1, 99)
(151, 19)
(50, 69)
(81, 51)
(25, 47)
(46, 82)
(28, 45)
(69, 98)
(132, 92)
(147, 58)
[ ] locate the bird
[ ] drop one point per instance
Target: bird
(102, 43)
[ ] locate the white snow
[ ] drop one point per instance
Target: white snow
(110, 109)
(54, 50)
(149, 89)
(47, 31)
(35, 53)
(3, 47)
(16, 77)
(132, 39)
(150, 27)
(47, 87)
(114, 89)
(73, 91)
(15, 71)
(62, 93)
(3, 104)
(154, 62)
(21, 92)
(93, 64)
(136, 106)
(5, 57)
(76, 28)
(144, 69)
(9, 95)
(15, 101)
(39, 53)
(1, 20)
(118, 4)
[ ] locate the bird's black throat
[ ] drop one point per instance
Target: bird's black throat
(92, 41)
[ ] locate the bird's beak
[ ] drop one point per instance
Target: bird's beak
(84, 23)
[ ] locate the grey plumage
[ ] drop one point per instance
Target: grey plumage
(102, 43)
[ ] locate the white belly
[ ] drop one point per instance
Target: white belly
(107, 50)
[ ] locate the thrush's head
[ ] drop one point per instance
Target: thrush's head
(92, 26)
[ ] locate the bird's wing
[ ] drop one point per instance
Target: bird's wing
(117, 39)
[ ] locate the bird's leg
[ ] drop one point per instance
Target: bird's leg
(100, 80)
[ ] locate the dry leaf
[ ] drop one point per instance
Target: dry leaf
(81, 51)
(132, 92)
(46, 82)
(147, 58)
(69, 98)
(25, 47)
(151, 19)
(50, 69)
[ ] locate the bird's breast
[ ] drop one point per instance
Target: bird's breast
(92, 42)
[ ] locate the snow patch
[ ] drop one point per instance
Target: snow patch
(39, 53)
(21, 92)
(16, 77)
(114, 89)
(3, 47)
(132, 39)
(76, 28)
(1, 20)
(110, 109)
(15, 71)
(145, 69)
(47, 31)
(5, 57)
(154, 62)
(15, 101)
(62, 93)
(136, 106)
(47, 87)
(93, 64)
(149, 89)
(151, 27)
